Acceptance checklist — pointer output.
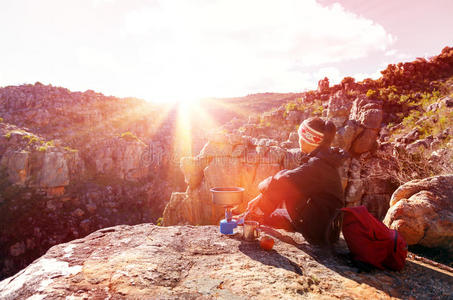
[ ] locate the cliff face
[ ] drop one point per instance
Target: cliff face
(187, 262)
(71, 163)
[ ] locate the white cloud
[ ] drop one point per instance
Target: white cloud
(252, 44)
(332, 73)
(95, 58)
(390, 52)
(98, 3)
(180, 48)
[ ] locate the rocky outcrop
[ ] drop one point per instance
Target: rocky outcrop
(197, 262)
(30, 161)
(226, 160)
(422, 211)
(358, 122)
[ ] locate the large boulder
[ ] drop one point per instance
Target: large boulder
(192, 168)
(358, 122)
(339, 108)
(368, 114)
(197, 262)
(422, 211)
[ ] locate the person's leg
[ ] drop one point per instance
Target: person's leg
(279, 219)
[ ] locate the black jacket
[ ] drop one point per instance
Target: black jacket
(311, 192)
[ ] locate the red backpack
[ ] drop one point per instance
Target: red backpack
(370, 241)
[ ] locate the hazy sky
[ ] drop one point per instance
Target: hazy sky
(182, 49)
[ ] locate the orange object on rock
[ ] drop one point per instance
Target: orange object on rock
(266, 243)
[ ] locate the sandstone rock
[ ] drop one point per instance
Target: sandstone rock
(254, 119)
(17, 165)
(53, 171)
(411, 136)
(293, 137)
(245, 171)
(124, 158)
(234, 139)
(418, 146)
(365, 141)
(346, 135)
(292, 158)
(175, 211)
(377, 204)
(248, 129)
(262, 150)
(187, 262)
(422, 211)
(366, 112)
(289, 145)
(338, 108)
(295, 116)
(354, 192)
(238, 151)
(275, 155)
(323, 85)
(223, 171)
(192, 169)
(213, 149)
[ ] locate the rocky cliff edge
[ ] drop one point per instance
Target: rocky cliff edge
(197, 262)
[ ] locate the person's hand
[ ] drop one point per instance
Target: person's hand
(253, 212)
(249, 215)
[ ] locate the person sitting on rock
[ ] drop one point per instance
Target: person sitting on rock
(311, 194)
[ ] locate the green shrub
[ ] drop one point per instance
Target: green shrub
(318, 109)
(290, 106)
(370, 93)
(42, 149)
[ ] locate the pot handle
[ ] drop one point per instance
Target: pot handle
(256, 232)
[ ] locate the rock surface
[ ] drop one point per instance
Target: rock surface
(422, 211)
(187, 262)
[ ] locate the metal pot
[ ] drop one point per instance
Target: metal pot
(227, 196)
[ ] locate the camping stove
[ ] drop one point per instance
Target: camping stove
(228, 197)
